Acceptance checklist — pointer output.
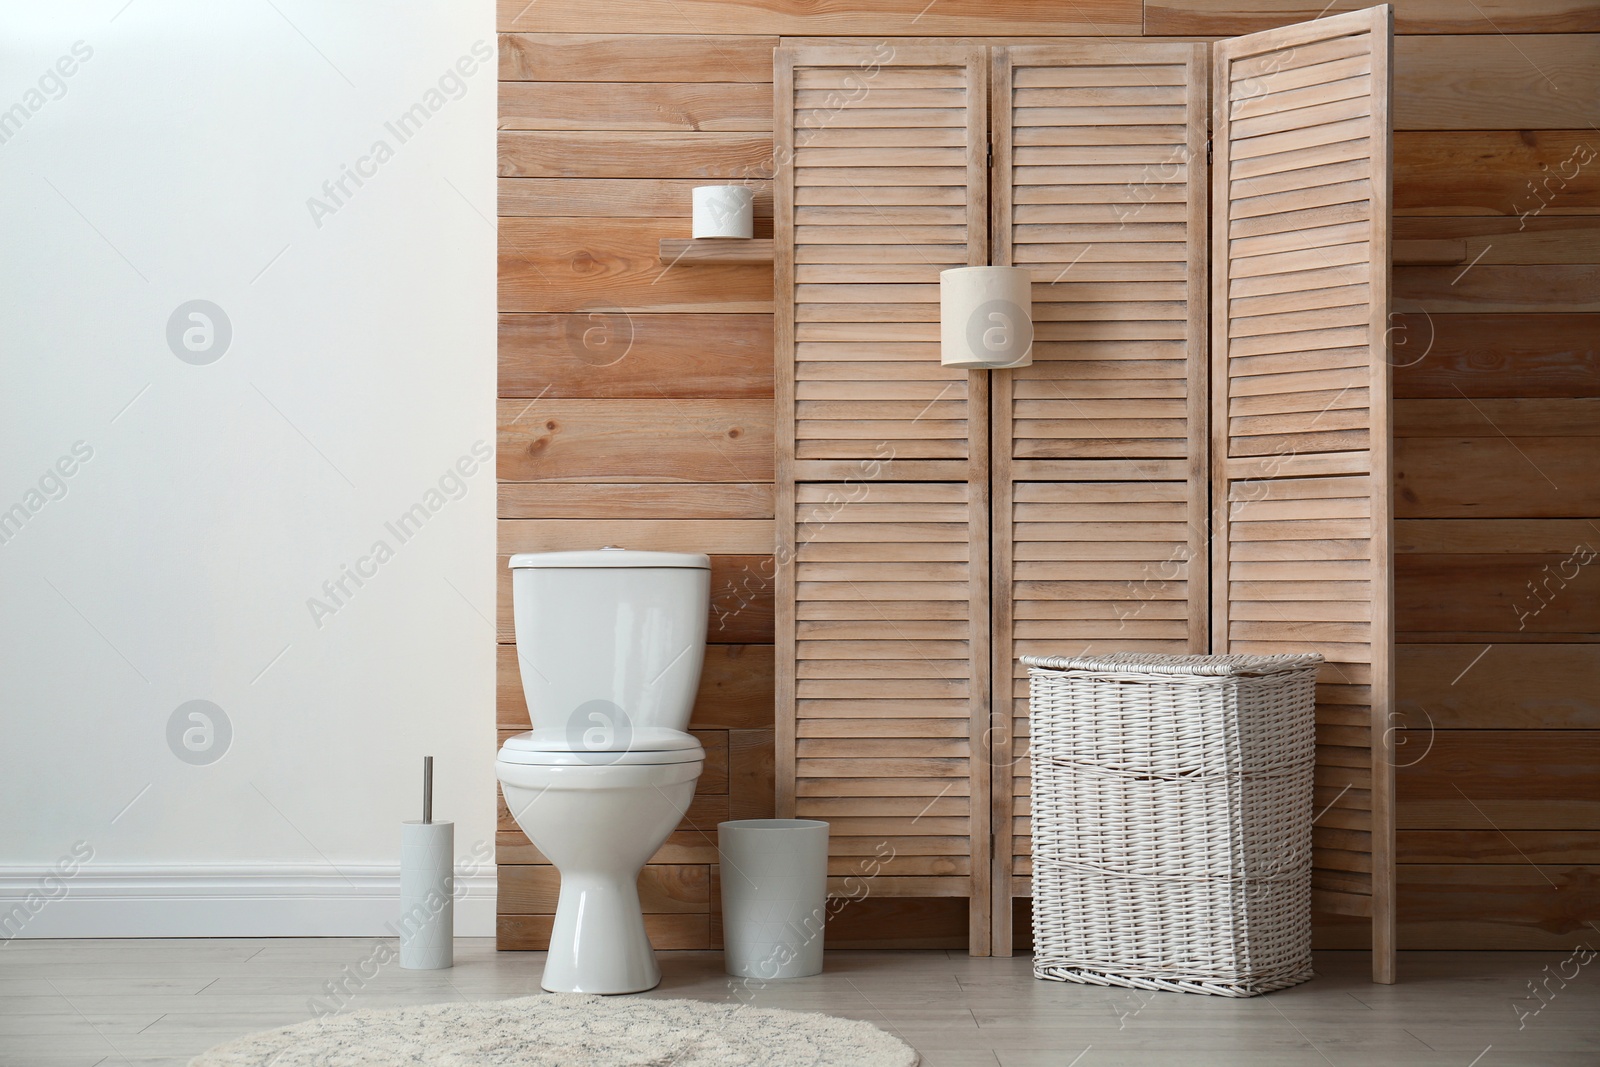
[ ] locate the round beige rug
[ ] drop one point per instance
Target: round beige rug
(569, 1030)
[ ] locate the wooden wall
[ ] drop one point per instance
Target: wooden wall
(636, 409)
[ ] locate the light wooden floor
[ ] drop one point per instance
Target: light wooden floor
(84, 1003)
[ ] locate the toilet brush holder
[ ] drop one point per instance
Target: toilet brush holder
(427, 887)
(427, 897)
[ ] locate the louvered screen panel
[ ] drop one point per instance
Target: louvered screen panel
(882, 581)
(1099, 450)
(1301, 419)
(885, 679)
(888, 188)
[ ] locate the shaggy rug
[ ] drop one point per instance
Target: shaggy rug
(569, 1030)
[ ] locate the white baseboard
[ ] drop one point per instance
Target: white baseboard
(102, 900)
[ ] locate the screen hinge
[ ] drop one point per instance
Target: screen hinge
(990, 156)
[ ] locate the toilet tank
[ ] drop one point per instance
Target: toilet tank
(610, 643)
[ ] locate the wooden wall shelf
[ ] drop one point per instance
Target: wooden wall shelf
(716, 250)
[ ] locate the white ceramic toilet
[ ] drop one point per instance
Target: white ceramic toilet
(609, 645)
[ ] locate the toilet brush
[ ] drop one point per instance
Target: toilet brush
(427, 889)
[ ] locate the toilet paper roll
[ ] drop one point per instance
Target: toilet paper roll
(427, 895)
(724, 211)
(985, 317)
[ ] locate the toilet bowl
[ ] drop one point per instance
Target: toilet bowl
(609, 646)
(599, 825)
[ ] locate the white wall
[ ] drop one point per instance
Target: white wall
(210, 498)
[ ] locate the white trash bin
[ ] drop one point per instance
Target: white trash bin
(774, 896)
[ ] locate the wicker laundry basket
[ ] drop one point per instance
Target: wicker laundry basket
(1172, 820)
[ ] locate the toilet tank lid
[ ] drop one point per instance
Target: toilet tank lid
(610, 557)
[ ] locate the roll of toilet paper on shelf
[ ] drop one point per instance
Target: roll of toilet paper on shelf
(985, 317)
(427, 895)
(724, 211)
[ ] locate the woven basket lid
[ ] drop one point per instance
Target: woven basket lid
(1155, 663)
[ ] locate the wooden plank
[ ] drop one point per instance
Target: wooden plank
(1558, 848)
(1488, 686)
(1216, 18)
(635, 440)
(750, 770)
(1562, 288)
(1567, 813)
(1530, 82)
(1491, 240)
(665, 105)
(1502, 906)
(742, 605)
(1429, 252)
(562, 500)
(1484, 536)
(1523, 637)
(570, 265)
(604, 351)
(1489, 355)
(1563, 417)
(1492, 172)
(736, 691)
(728, 537)
(634, 57)
(616, 198)
(1548, 593)
(899, 923)
(1469, 477)
(714, 771)
(1475, 767)
(889, 18)
(720, 156)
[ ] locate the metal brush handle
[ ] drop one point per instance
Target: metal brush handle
(427, 789)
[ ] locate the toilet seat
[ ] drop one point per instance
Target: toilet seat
(553, 748)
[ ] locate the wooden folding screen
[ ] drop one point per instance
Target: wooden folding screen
(1301, 441)
(883, 560)
(1116, 457)
(1099, 447)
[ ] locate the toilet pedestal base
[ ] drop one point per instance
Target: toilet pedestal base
(599, 825)
(598, 943)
